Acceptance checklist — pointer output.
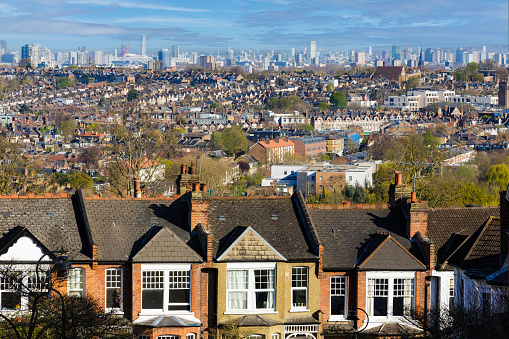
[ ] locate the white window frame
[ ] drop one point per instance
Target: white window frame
(250, 268)
(391, 278)
(106, 287)
(191, 336)
(297, 288)
(168, 336)
(343, 280)
(165, 268)
(71, 289)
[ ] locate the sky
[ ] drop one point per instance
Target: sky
(252, 24)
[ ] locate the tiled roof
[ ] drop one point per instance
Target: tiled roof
(346, 233)
(481, 250)
(119, 227)
(448, 228)
(275, 219)
(52, 221)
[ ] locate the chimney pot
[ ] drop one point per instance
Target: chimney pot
(196, 186)
(203, 187)
(192, 169)
(137, 189)
(183, 169)
(398, 178)
(414, 197)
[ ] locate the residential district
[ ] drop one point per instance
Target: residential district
(136, 172)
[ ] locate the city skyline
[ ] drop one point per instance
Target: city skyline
(262, 24)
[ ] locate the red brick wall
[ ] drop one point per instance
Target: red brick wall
(153, 333)
(417, 222)
(199, 212)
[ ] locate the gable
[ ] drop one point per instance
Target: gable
(250, 246)
(390, 255)
(166, 246)
(23, 249)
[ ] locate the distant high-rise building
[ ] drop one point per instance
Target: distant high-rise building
(208, 62)
(9, 58)
(3, 46)
(299, 58)
(73, 58)
(292, 56)
(278, 57)
(165, 56)
(311, 51)
(194, 57)
(82, 49)
(460, 55)
(143, 45)
(396, 52)
(31, 52)
(98, 58)
(360, 58)
(175, 51)
(370, 51)
(429, 55)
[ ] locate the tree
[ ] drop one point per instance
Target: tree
(18, 173)
(91, 155)
(231, 140)
(136, 151)
(323, 106)
(498, 175)
(63, 82)
(52, 314)
(132, 94)
(214, 106)
(67, 129)
(81, 180)
(501, 73)
(85, 78)
(24, 109)
(287, 104)
(330, 87)
(25, 63)
(338, 99)
(95, 127)
(280, 82)
(412, 83)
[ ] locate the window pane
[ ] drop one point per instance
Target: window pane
(11, 300)
(337, 305)
(152, 299)
(237, 300)
(237, 279)
(299, 298)
(264, 299)
(113, 297)
(299, 277)
(398, 306)
(264, 279)
(380, 306)
(179, 296)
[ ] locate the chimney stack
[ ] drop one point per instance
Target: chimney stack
(504, 226)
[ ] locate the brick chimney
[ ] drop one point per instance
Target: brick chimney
(417, 218)
(137, 189)
(198, 201)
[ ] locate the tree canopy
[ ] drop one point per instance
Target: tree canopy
(231, 140)
(338, 99)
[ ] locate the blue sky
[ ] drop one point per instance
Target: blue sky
(264, 24)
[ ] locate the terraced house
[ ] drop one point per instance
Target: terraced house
(271, 267)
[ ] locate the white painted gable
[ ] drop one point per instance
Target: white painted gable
(24, 249)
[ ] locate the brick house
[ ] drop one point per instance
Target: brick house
(272, 151)
(195, 266)
(309, 146)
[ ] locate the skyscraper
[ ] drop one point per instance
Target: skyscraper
(164, 56)
(175, 52)
(31, 52)
(311, 51)
(98, 57)
(3, 46)
(396, 52)
(143, 45)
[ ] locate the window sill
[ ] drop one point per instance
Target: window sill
(336, 319)
(250, 312)
(297, 310)
(159, 313)
(113, 311)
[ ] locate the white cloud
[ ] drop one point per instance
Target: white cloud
(139, 5)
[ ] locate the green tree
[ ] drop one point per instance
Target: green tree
(329, 87)
(25, 109)
(287, 104)
(307, 127)
(280, 82)
(231, 140)
(132, 94)
(338, 99)
(95, 127)
(63, 82)
(81, 180)
(412, 83)
(214, 106)
(498, 175)
(323, 106)
(85, 78)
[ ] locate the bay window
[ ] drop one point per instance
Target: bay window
(10, 293)
(389, 296)
(299, 287)
(250, 289)
(166, 289)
